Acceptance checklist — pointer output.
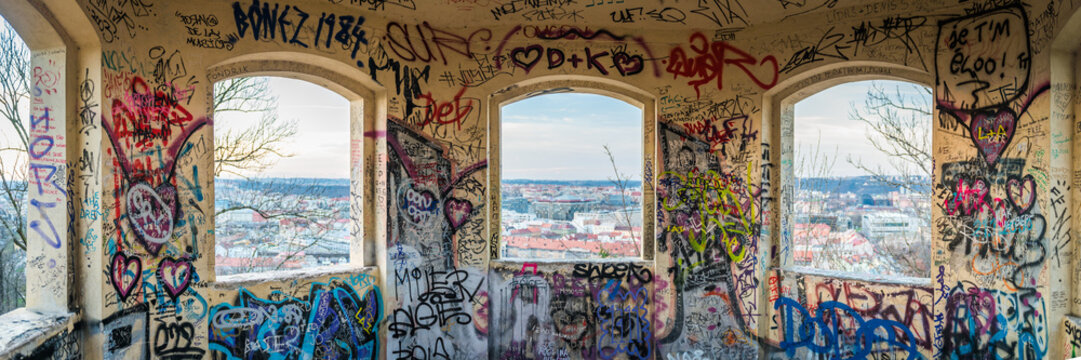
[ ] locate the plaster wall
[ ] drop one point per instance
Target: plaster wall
(426, 80)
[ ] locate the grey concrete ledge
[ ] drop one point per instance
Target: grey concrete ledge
(22, 329)
(870, 278)
(233, 282)
(623, 260)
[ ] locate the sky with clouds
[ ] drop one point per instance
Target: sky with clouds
(320, 147)
(561, 137)
(822, 120)
(554, 136)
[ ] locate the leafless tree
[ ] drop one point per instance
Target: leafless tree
(14, 103)
(257, 147)
(275, 200)
(899, 125)
(252, 149)
(815, 184)
(249, 151)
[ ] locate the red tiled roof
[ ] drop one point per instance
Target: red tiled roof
(257, 262)
(616, 248)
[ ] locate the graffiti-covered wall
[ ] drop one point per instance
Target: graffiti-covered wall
(716, 80)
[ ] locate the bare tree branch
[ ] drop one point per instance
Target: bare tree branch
(245, 94)
(14, 166)
(621, 181)
(898, 125)
(253, 149)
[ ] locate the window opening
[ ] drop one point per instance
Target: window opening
(863, 179)
(281, 175)
(571, 177)
(14, 166)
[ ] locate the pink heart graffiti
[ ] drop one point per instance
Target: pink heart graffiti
(125, 272)
(174, 275)
(457, 211)
(991, 128)
(1022, 193)
(966, 197)
(992, 132)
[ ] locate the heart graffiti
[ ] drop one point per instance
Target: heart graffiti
(145, 119)
(628, 64)
(417, 206)
(125, 272)
(967, 197)
(526, 57)
(992, 131)
(457, 211)
(991, 128)
(174, 275)
(1022, 193)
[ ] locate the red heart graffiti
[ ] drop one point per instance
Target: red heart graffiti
(1022, 193)
(968, 197)
(457, 211)
(174, 275)
(123, 275)
(992, 131)
(627, 64)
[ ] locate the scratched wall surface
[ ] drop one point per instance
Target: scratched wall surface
(714, 286)
(850, 319)
(48, 186)
(320, 317)
(568, 310)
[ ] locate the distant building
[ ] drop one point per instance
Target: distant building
(562, 207)
(881, 224)
(816, 245)
(566, 248)
(516, 217)
(516, 204)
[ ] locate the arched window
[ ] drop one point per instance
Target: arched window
(574, 174)
(281, 175)
(862, 168)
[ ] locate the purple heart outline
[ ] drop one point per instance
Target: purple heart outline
(178, 277)
(1021, 192)
(120, 264)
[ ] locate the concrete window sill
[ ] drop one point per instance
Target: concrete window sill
(636, 260)
(25, 330)
(879, 279)
(233, 282)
